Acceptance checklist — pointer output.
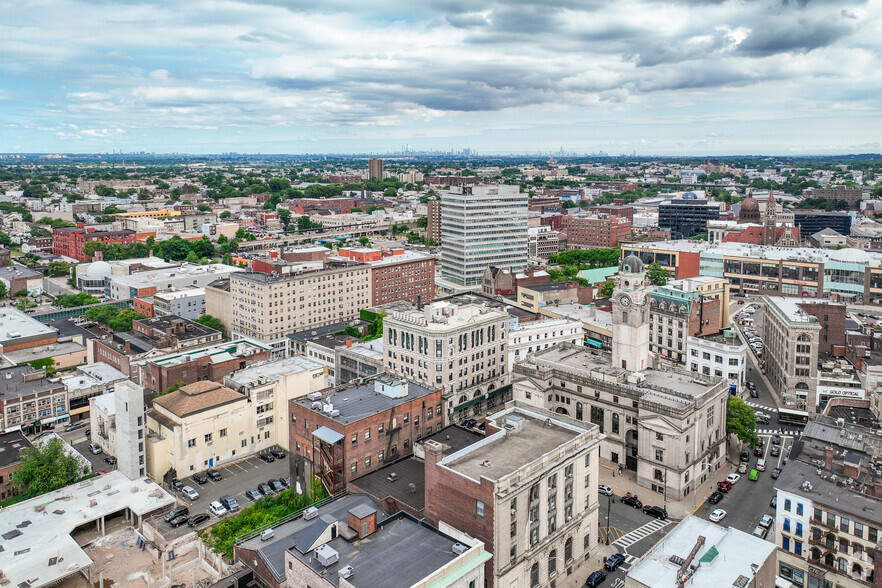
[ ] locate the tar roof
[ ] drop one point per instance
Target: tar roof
(197, 397)
(503, 453)
(37, 544)
(10, 445)
(23, 380)
(359, 401)
(270, 371)
(825, 490)
(727, 553)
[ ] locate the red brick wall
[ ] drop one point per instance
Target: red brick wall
(688, 265)
(110, 356)
(832, 320)
(143, 307)
(5, 481)
(404, 281)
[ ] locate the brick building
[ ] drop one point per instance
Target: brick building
(11, 444)
(619, 210)
(601, 230)
(523, 492)
(433, 218)
(506, 281)
(171, 331)
(850, 195)
(29, 400)
(355, 429)
(69, 241)
(211, 363)
(399, 275)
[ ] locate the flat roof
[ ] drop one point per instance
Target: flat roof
(825, 490)
(726, 555)
(406, 257)
(372, 349)
(219, 353)
(14, 324)
(790, 309)
(359, 401)
(187, 270)
(37, 542)
(11, 444)
(462, 315)
(93, 374)
(23, 381)
(271, 370)
(598, 318)
(505, 452)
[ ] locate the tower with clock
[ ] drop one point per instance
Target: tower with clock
(630, 315)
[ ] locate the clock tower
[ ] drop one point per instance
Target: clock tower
(630, 316)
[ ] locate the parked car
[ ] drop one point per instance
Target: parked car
(718, 515)
(774, 502)
(201, 479)
(176, 512)
(758, 451)
(215, 475)
(754, 393)
(190, 493)
(715, 497)
(753, 476)
(632, 501)
(286, 481)
(760, 442)
(197, 518)
(265, 489)
(766, 521)
(276, 485)
(229, 503)
(733, 478)
(776, 439)
(775, 450)
(74, 427)
(655, 511)
(595, 579)
(614, 561)
(743, 467)
(267, 457)
(217, 509)
(110, 459)
(278, 452)
(750, 386)
(469, 423)
(760, 532)
(604, 490)
(745, 456)
(253, 494)
(95, 449)
(761, 465)
(724, 486)
(775, 473)
(178, 521)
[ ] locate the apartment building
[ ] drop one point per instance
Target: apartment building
(174, 332)
(526, 337)
(721, 355)
(433, 221)
(188, 303)
(795, 331)
(827, 520)
(269, 307)
(349, 431)
(692, 307)
(528, 492)
(69, 241)
(396, 275)
(590, 231)
(542, 242)
(375, 168)
(29, 400)
(456, 346)
(482, 226)
(669, 427)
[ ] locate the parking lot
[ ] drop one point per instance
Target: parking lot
(237, 479)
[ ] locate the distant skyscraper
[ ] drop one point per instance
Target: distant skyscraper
(482, 226)
(375, 168)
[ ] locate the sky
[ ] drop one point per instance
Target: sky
(676, 77)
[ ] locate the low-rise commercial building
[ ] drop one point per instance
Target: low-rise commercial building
(528, 492)
(89, 381)
(188, 303)
(18, 277)
(535, 297)
(29, 400)
(122, 287)
(211, 363)
(20, 331)
(356, 359)
(721, 355)
(11, 445)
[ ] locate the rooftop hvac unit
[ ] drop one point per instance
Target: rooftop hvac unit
(314, 396)
(346, 572)
(335, 413)
(326, 555)
(310, 513)
(317, 405)
(328, 408)
(459, 548)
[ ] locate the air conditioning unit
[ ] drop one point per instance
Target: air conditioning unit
(459, 548)
(310, 513)
(314, 396)
(346, 572)
(326, 555)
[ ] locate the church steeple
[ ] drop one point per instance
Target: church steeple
(770, 220)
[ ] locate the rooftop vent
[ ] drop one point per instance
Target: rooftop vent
(459, 548)
(326, 555)
(346, 572)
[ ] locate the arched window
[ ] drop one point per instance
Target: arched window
(477, 393)
(579, 411)
(803, 338)
(568, 550)
(857, 572)
(842, 564)
(829, 560)
(816, 553)
(552, 562)
(463, 399)
(534, 575)
(802, 386)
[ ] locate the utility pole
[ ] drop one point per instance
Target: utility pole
(609, 500)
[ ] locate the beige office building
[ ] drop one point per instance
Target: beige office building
(459, 348)
(790, 351)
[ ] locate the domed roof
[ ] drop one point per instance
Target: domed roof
(631, 264)
(98, 270)
(749, 203)
(850, 256)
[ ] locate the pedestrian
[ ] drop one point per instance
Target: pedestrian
(614, 473)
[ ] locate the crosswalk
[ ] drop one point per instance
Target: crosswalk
(619, 583)
(760, 406)
(641, 532)
(779, 432)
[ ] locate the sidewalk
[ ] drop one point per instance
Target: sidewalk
(627, 482)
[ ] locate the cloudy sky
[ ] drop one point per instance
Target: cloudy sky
(287, 76)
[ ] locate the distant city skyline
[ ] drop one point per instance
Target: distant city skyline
(717, 78)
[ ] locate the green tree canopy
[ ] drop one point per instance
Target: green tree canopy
(364, 241)
(657, 274)
(741, 420)
(422, 222)
(116, 319)
(606, 290)
(225, 214)
(587, 258)
(203, 208)
(46, 468)
(73, 300)
(212, 322)
(5, 240)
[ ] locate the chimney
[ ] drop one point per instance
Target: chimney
(349, 342)
(128, 347)
(828, 459)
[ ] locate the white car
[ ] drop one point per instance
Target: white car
(217, 509)
(766, 521)
(718, 515)
(189, 492)
(733, 478)
(604, 490)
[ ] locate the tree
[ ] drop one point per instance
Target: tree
(422, 222)
(606, 290)
(45, 468)
(73, 300)
(657, 274)
(58, 268)
(203, 208)
(225, 214)
(390, 192)
(741, 420)
(5, 240)
(174, 387)
(588, 258)
(3, 291)
(192, 257)
(174, 248)
(284, 216)
(364, 241)
(40, 232)
(211, 322)
(304, 224)
(203, 247)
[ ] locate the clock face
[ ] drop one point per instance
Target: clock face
(625, 301)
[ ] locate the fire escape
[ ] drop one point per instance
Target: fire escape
(329, 464)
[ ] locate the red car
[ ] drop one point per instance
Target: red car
(724, 486)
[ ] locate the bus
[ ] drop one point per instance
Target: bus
(792, 417)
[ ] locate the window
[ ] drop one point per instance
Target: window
(785, 543)
(534, 575)
(354, 467)
(799, 529)
(659, 437)
(380, 429)
(222, 432)
(659, 455)
(367, 462)
(799, 508)
(552, 562)
(208, 437)
(380, 455)
(858, 530)
(787, 505)
(191, 443)
(244, 442)
(513, 529)
(844, 524)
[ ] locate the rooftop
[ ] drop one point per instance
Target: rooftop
(587, 313)
(310, 334)
(726, 556)
(802, 479)
(220, 353)
(10, 445)
(197, 397)
(157, 277)
(178, 294)
(14, 324)
(372, 349)
(447, 316)
(503, 453)
(94, 374)
(549, 287)
(791, 308)
(23, 380)
(192, 329)
(38, 547)
(18, 272)
(270, 371)
(406, 257)
(359, 401)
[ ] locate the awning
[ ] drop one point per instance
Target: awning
(327, 435)
(593, 342)
(468, 403)
(499, 390)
